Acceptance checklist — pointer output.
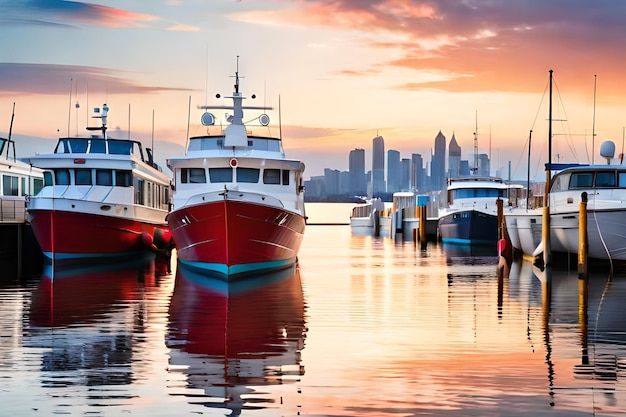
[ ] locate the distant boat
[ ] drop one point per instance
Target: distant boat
(471, 217)
(101, 198)
(364, 217)
(238, 204)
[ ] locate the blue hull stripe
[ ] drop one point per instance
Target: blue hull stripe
(238, 269)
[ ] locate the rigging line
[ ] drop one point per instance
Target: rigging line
(565, 126)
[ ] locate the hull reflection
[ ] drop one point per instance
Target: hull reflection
(224, 340)
(84, 319)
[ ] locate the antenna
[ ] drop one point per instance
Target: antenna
(69, 112)
(9, 141)
(475, 169)
(593, 128)
(188, 121)
(152, 144)
(128, 120)
(77, 106)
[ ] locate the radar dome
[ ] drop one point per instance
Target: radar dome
(607, 150)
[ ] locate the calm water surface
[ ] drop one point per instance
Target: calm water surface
(363, 327)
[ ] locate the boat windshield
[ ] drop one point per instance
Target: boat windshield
(98, 146)
(478, 193)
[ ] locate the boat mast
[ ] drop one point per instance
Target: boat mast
(530, 138)
(593, 127)
(475, 169)
(545, 224)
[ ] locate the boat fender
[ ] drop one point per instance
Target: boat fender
(147, 239)
(162, 237)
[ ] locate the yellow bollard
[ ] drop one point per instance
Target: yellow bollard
(583, 241)
(423, 224)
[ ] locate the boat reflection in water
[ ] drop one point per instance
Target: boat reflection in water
(83, 318)
(229, 338)
(593, 309)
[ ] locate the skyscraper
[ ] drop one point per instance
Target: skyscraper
(438, 165)
(356, 167)
(417, 172)
(454, 158)
(378, 166)
(393, 171)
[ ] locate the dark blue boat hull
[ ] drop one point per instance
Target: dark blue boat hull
(469, 227)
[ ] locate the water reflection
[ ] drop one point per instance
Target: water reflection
(83, 319)
(226, 339)
(585, 319)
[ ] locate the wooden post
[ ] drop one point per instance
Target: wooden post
(583, 249)
(423, 224)
(376, 223)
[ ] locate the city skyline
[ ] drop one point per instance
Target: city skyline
(396, 173)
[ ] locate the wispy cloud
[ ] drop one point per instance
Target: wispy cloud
(41, 12)
(55, 79)
(183, 28)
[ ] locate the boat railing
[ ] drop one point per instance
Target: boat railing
(12, 209)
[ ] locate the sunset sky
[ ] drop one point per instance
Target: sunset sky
(345, 71)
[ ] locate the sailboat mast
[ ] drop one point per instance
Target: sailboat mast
(593, 126)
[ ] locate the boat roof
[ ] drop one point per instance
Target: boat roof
(476, 182)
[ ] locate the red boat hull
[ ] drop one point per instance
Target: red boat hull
(232, 237)
(63, 234)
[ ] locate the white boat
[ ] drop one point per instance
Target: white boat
(605, 187)
(472, 214)
(238, 204)
(19, 181)
(101, 198)
(364, 217)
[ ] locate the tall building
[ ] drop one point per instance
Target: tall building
(454, 158)
(438, 164)
(393, 171)
(405, 174)
(484, 169)
(417, 173)
(356, 167)
(378, 166)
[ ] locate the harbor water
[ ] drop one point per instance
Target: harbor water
(364, 326)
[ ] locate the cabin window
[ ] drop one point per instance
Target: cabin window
(193, 175)
(47, 179)
(120, 147)
(621, 179)
(140, 195)
(104, 177)
(581, 180)
(250, 175)
(98, 146)
(10, 185)
(285, 177)
(477, 193)
(78, 145)
(82, 176)
(123, 178)
(38, 184)
(561, 182)
(605, 179)
(62, 177)
(221, 174)
(271, 176)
